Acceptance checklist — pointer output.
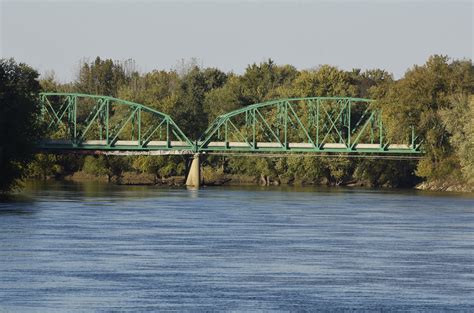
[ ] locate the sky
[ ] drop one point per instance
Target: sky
(230, 35)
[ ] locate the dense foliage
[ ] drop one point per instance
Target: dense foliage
(19, 120)
(435, 97)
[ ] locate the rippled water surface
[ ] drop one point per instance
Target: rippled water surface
(76, 247)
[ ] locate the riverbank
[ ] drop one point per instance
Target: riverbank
(127, 178)
(449, 186)
(213, 178)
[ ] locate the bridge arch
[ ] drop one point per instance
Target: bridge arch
(313, 124)
(94, 122)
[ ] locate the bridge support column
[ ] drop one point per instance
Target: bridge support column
(194, 175)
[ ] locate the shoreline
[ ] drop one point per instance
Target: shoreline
(143, 179)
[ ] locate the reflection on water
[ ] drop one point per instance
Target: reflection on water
(83, 247)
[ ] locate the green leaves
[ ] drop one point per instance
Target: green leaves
(458, 120)
(104, 77)
(19, 122)
(424, 98)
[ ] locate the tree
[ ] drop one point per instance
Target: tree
(44, 166)
(261, 82)
(390, 173)
(103, 77)
(156, 90)
(324, 81)
(221, 100)
(111, 166)
(19, 120)
(160, 166)
(189, 109)
(418, 100)
(459, 122)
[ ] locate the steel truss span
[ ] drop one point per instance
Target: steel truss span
(100, 123)
(83, 123)
(316, 125)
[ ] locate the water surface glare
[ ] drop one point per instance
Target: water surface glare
(88, 247)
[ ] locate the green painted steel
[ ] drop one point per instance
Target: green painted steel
(82, 122)
(316, 124)
(91, 122)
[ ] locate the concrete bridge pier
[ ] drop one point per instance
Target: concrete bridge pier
(193, 178)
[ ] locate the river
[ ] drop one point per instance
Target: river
(98, 247)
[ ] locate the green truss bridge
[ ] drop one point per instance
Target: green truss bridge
(99, 124)
(81, 122)
(92, 124)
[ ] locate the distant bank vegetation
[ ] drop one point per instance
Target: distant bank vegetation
(437, 96)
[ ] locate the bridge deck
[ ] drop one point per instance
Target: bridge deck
(120, 147)
(118, 143)
(301, 147)
(182, 147)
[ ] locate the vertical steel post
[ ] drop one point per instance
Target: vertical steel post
(167, 133)
(103, 121)
(286, 125)
(133, 125)
(139, 127)
(340, 124)
(101, 118)
(317, 123)
(371, 120)
(70, 118)
(348, 123)
(380, 128)
(74, 99)
(107, 122)
(226, 138)
(253, 129)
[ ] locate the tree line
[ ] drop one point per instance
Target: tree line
(436, 97)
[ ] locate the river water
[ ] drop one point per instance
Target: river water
(96, 247)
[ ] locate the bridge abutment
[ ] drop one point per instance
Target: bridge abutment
(193, 178)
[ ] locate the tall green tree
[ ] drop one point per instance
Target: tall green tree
(224, 99)
(111, 166)
(418, 99)
(103, 77)
(189, 110)
(156, 89)
(261, 82)
(324, 81)
(458, 120)
(160, 166)
(19, 120)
